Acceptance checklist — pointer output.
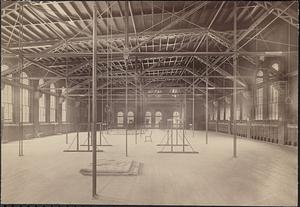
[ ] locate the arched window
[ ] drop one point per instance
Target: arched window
(275, 66)
(227, 108)
(63, 107)
(174, 92)
(245, 106)
(52, 104)
(24, 98)
(148, 119)
(7, 102)
(158, 118)
(245, 115)
(273, 105)
(42, 104)
(176, 118)
(238, 111)
(222, 111)
(215, 110)
(120, 119)
(4, 68)
(259, 77)
(155, 93)
(227, 112)
(259, 97)
(211, 113)
(130, 118)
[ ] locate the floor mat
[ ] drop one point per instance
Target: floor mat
(114, 168)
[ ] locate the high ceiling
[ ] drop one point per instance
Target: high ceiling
(167, 41)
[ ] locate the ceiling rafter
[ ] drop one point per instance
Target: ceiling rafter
(279, 10)
(64, 31)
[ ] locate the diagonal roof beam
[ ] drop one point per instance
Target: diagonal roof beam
(262, 29)
(196, 74)
(78, 85)
(6, 7)
(53, 47)
(115, 37)
(241, 37)
(225, 42)
(72, 70)
(287, 16)
(211, 32)
(269, 11)
(74, 27)
(185, 15)
(163, 59)
(215, 16)
(115, 72)
(28, 63)
(191, 85)
(218, 69)
(34, 62)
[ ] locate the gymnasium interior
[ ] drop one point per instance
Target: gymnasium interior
(149, 102)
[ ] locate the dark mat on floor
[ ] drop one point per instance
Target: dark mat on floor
(114, 168)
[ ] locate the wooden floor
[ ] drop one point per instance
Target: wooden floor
(262, 174)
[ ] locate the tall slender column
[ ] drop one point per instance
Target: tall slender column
(126, 65)
(234, 80)
(136, 106)
(89, 116)
(206, 98)
(67, 102)
(20, 111)
(193, 98)
(94, 103)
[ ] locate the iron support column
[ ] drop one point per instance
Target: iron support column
(234, 79)
(193, 98)
(20, 62)
(126, 66)
(94, 103)
(206, 98)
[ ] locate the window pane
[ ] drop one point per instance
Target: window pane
(130, 117)
(215, 113)
(259, 104)
(120, 119)
(222, 113)
(227, 113)
(64, 111)
(244, 112)
(273, 103)
(52, 108)
(42, 117)
(7, 103)
(148, 120)
(275, 66)
(158, 118)
(176, 117)
(238, 111)
(259, 78)
(24, 101)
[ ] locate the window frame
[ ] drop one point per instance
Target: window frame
(130, 116)
(24, 99)
(52, 108)
(120, 116)
(176, 119)
(64, 107)
(273, 102)
(158, 115)
(7, 102)
(148, 114)
(259, 93)
(42, 109)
